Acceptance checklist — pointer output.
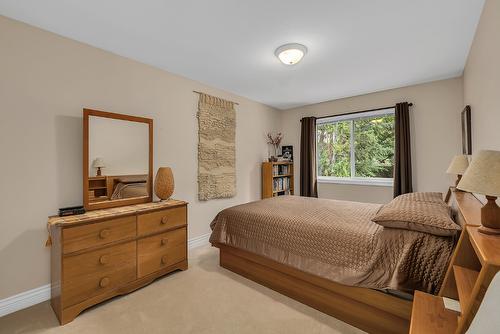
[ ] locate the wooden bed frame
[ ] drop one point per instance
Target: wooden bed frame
(370, 310)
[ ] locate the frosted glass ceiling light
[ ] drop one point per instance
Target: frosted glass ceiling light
(291, 54)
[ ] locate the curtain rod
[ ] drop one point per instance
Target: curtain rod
(358, 112)
(195, 91)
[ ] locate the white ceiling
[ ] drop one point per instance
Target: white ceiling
(354, 46)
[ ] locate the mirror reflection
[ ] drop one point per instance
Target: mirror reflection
(118, 159)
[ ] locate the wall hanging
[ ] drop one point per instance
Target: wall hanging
(216, 148)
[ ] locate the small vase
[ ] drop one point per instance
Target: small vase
(164, 183)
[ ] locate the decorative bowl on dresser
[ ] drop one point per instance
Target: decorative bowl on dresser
(110, 252)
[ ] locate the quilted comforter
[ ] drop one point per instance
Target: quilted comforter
(336, 240)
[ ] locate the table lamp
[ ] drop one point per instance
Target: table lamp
(98, 163)
(483, 177)
(458, 166)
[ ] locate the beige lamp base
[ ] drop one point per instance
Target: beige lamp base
(490, 217)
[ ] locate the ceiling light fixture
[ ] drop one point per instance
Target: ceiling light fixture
(290, 54)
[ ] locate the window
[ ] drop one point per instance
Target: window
(356, 148)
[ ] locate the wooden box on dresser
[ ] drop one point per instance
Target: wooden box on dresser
(110, 252)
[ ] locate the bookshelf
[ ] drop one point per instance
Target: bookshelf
(277, 179)
(98, 190)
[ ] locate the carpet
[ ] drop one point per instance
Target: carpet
(203, 299)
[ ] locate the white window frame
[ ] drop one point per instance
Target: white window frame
(369, 181)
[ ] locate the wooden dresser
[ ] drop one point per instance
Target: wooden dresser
(110, 252)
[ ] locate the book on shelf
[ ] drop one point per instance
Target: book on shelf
(281, 184)
(280, 170)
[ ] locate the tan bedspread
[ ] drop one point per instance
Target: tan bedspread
(336, 240)
(130, 190)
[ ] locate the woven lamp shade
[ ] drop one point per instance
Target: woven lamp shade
(98, 162)
(458, 165)
(164, 183)
(483, 174)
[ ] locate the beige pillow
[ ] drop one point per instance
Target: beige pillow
(423, 216)
(432, 197)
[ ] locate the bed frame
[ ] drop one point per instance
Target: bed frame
(370, 310)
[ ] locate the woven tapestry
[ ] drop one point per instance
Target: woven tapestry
(216, 148)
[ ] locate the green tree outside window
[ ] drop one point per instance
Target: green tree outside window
(372, 139)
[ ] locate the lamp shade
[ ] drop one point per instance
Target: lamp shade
(483, 174)
(98, 163)
(458, 165)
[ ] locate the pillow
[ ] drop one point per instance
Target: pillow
(428, 197)
(132, 179)
(428, 217)
(431, 197)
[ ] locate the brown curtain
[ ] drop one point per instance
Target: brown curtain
(402, 152)
(308, 171)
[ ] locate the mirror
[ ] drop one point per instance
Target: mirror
(117, 162)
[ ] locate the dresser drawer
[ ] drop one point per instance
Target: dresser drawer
(96, 234)
(160, 251)
(93, 273)
(158, 221)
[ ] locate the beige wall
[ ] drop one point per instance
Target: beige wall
(482, 93)
(435, 127)
(45, 82)
(122, 145)
(356, 192)
(482, 80)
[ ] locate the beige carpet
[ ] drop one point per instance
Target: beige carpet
(203, 299)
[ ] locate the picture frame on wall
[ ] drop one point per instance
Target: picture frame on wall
(466, 131)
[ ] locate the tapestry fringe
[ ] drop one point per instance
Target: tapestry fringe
(215, 101)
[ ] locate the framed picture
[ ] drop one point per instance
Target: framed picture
(466, 131)
(287, 152)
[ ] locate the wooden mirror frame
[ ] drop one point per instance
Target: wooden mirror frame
(119, 202)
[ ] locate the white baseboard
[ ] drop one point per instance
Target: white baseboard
(24, 300)
(202, 240)
(38, 295)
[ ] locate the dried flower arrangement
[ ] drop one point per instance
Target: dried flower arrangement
(275, 142)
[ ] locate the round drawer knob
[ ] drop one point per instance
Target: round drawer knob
(164, 259)
(164, 220)
(164, 241)
(104, 233)
(103, 259)
(104, 282)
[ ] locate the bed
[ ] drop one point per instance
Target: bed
(331, 256)
(127, 186)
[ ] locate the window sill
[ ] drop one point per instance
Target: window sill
(357, 181)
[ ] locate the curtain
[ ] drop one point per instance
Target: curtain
(308, 171)
(402, 152)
